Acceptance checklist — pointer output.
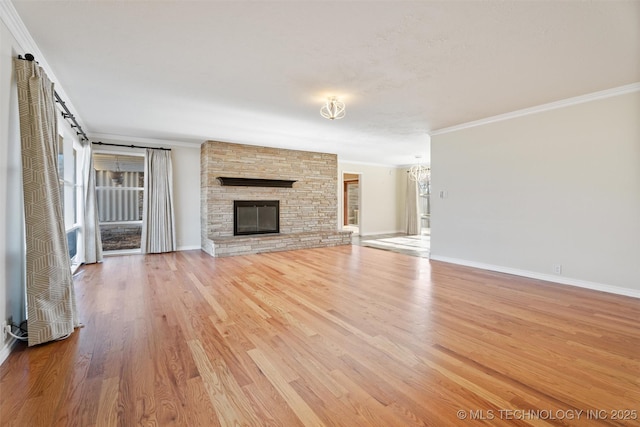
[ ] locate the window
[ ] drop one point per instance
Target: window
(120, 193)
(70, 192)
(424, 204)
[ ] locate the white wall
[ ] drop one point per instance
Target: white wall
(556, 187)
(378, 197)
(186, 191)
(12, 261)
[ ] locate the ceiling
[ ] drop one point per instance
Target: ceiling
(258, 72)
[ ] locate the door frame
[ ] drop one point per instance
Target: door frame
(343, 188)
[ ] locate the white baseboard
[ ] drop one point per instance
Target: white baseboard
(376, 233)
(634, 293)
(189, 248)
(6, 350)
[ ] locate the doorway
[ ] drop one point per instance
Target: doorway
(119, 193)
(351, 206)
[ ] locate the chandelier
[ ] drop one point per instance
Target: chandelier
(420, 173)
(333, 109)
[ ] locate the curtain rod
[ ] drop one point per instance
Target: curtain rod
(66, 114)
(129, 146)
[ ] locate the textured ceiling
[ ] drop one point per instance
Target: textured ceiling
(258, 72)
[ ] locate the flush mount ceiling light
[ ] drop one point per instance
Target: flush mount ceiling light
(333, 109)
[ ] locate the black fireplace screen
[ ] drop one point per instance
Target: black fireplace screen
(256, 217)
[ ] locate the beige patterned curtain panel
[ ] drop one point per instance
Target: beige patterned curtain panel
(51, 303)
(158, 224)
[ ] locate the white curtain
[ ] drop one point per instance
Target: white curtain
(51, 302)
(92, 238)
(158, 228)
(413, 209)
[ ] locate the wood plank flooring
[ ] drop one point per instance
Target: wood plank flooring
(344, 336)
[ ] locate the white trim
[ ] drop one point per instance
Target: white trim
(342, 206)
(634, 293)
(428, 165)
(634, 87)
(12, 20)
(189, 248)
(6, 350)
(376, 233)
(16, 27)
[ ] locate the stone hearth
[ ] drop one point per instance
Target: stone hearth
(308, 210)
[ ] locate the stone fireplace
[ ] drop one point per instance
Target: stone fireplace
(303, 183)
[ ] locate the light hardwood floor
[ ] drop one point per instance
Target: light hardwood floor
(345, 336)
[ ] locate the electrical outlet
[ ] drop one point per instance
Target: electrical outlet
(6, 328)
(557, 268)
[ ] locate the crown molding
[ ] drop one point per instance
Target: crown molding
(621, 90)
(10, 17)
(16, 27)
(354, 162)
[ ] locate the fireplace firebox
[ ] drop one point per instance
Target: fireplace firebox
(256, 217)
